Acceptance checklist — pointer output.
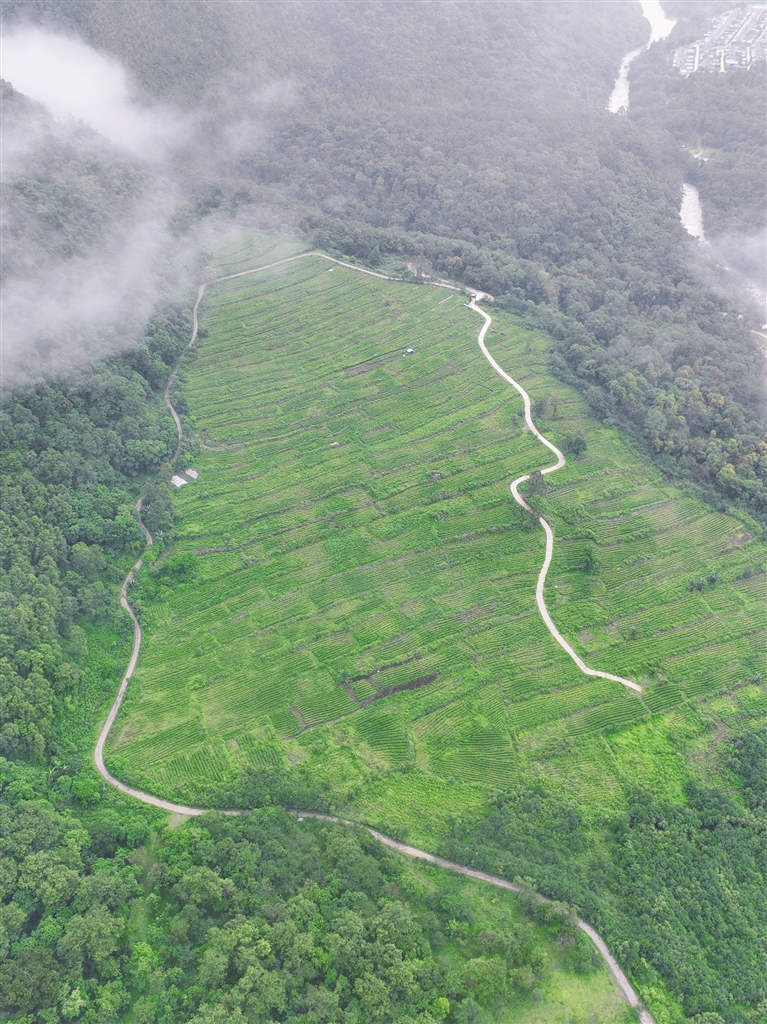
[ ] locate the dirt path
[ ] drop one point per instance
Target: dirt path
(624, 986)
(547, 529)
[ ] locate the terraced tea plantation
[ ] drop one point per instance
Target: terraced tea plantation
(360, 595)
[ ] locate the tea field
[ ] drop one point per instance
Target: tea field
(352, 591)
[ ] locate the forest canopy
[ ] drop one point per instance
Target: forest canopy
(495, 163)
(466, 141)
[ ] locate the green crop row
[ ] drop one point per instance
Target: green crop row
(353, 528)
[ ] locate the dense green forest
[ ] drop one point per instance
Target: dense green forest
(470, 143)
(682, 893)
(73, 456)
(247, 920)
(503, 171)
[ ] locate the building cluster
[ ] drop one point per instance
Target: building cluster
(736, 40)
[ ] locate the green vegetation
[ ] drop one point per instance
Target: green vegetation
(74, 454)
(339, 612)
(363, 594)
(675, 883)
(104, 914)
(256, 919)
(476, 700)
(503, 712)
(501, 170)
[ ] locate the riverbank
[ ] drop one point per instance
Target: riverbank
(660, 28)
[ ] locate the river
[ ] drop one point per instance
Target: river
(691, 213)
(660, 27)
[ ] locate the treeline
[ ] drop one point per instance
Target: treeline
(73, 455)
(253, 920)
(677, 890)
(669, 363)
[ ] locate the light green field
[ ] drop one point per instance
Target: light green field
(365, 607)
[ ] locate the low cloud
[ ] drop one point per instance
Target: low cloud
(95, 184)
(75, 81)
(746, 254)
(88, 250)
(733, 266)
(88, 307)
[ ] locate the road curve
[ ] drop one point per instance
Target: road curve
(98, 753)
(547, 529)
(624, 986)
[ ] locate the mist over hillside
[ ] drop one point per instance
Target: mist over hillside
(204, 103)
(299, 490)
(466, 140)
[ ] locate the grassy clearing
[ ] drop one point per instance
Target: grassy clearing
(565, 996)
(364, 607)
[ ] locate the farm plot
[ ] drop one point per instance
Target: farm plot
(364, 591)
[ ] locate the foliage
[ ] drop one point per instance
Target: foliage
(575, 444)
(253, 919)
(749, 761)
(590, 563)
(73, 452)
(704, 581)
(679, 888)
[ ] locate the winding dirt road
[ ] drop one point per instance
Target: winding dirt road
(624, 986)
(547, 529)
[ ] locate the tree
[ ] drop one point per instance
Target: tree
(535, 485)
(30, 982)
(487, 979)
(590, 564)
(575, 444)
(92, 938)
(143, 962)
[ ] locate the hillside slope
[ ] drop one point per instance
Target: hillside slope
(477, 144)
